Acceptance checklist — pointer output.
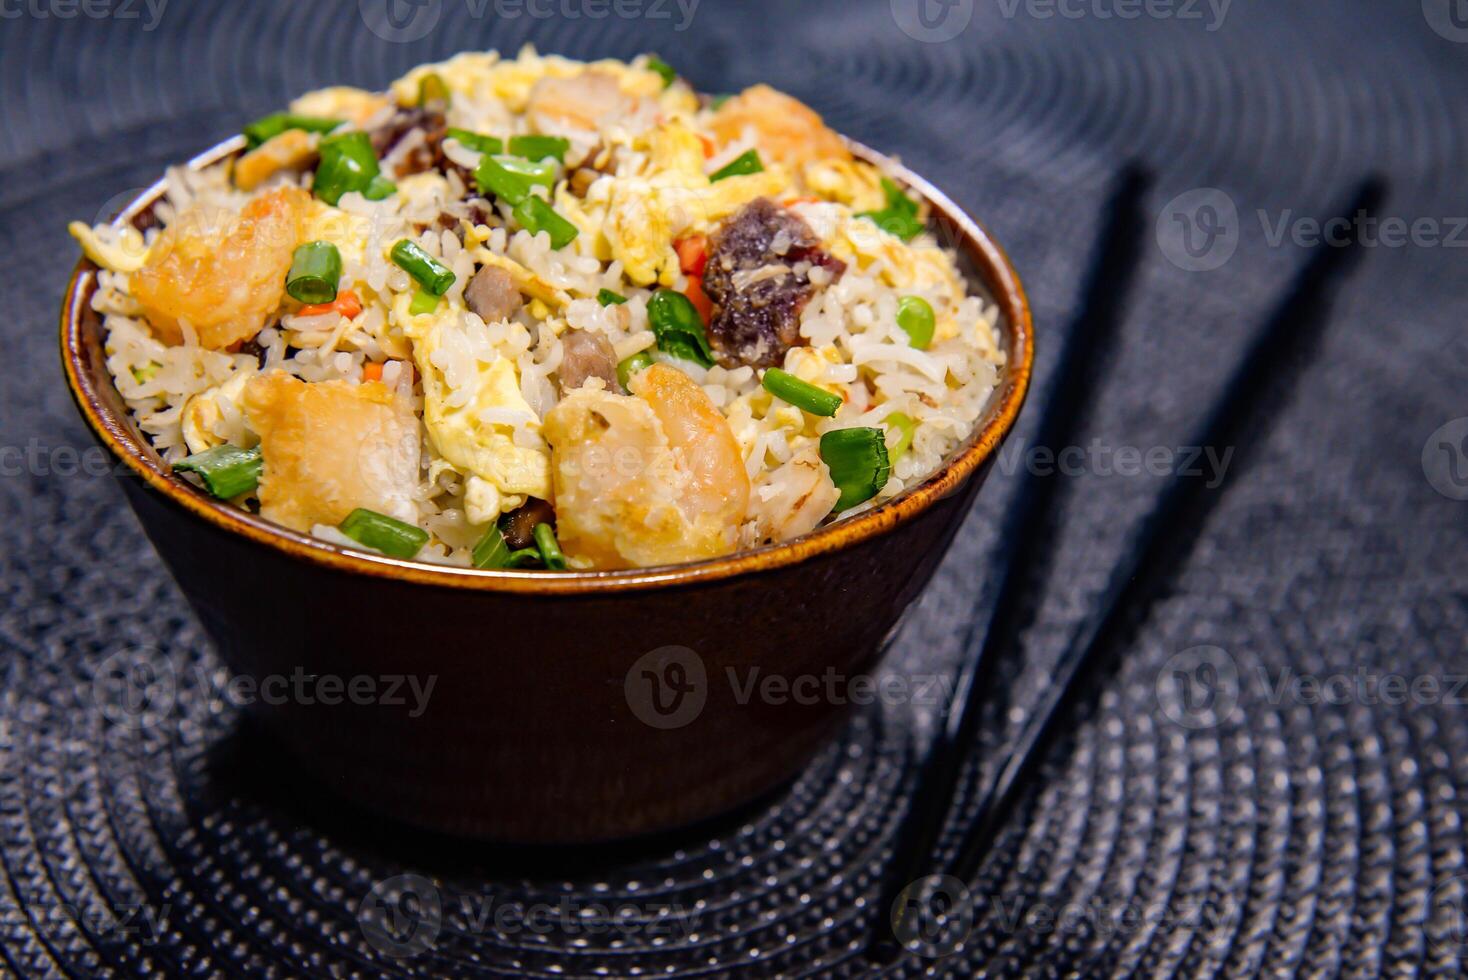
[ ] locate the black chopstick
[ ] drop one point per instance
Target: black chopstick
(1092, 333)
(1277, 354)
(1164, 541)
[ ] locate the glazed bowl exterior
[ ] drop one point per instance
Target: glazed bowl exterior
(563, 708)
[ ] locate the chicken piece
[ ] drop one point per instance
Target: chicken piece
(492, 294)
(653, 478)
(331, 447)
(586, 355)
(794, 498)
(581, 102)
(293, 149)
(222, 273)
(785, 128)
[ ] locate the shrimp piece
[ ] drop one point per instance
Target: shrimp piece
(331, 447)
(222, 274)
(293, 149)
(794, 498)
(785, 128)
(651, 478)
(581, 102)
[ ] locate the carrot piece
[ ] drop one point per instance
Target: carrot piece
(802, 200)
(693, 254)
(699, 299)
(346, 304)
(372, 371)
(709, 149)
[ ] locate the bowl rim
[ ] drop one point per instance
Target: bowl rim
(993, 268)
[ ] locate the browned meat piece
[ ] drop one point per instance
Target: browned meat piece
(427, 155)
(587, 355)
(518, 526)
(758, 280)
(492, 295)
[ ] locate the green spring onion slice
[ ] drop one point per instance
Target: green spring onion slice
(493, 551)
(348, 163)
(635, 364)
(432, 275)
(678, 328)
(669, 73)
(382, 533)
(536, 216)
(900, 216)
(264, 130)
(857, 459)
(477, 142)
(801, 394)
(495, 178)
(745, 163)
(550, 548)
(540, 147)
(380, 188)
(423, 302)
(915, 317)
(905, 427)
(541, 172)
(433, 89)
(608, 298)
(226, 471)
(316, 270)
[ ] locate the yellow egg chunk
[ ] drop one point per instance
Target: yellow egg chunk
(331, 447)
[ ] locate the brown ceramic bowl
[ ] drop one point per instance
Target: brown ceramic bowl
(570, 707)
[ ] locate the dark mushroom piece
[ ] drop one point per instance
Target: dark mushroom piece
(518, 526)
(586, 355)
(492, 295)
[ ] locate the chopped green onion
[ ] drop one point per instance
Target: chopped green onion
(382, 533)
(423, 302)
(348, 163)
(142, 375)
(227, 471)
(745, 163)
(536, 216)
(678, 328)
(915, 317)
(717, 102)
(857, 459)
(264, 130)
(801, 394)
(434, 89)
(900, 216)
(476, 142)
(540, 147)
(316, 269)
(635, 364)
(431, 274)
(905, 427)
(379, 189)
(542, 173)
(493, 551)
(669, 73)
(550, 548)
(608, 298)
(494, 178)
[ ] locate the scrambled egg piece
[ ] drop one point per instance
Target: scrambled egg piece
(202, 414)
(126, 255)
(854, 183)
(292, 149)
(340, 102)
(452, 407)
(331, 447)
(347, 231)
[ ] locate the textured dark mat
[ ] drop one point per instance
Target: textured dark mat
(1291, 832)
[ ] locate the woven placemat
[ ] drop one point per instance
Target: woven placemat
(1271, 783)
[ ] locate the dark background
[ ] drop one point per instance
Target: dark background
(1321, 838)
